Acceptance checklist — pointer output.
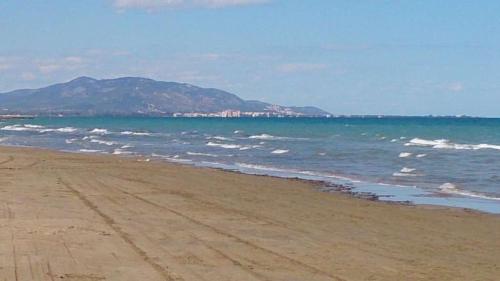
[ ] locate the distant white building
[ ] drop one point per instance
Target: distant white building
(230, 113)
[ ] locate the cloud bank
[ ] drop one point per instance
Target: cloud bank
(159, 4)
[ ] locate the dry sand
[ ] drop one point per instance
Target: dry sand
(82, 217)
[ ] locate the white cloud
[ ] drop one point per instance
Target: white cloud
(301, 67)
(158, 4)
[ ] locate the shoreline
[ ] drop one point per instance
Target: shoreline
(106, 217)
(321, 185)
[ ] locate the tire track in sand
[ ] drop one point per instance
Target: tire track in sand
(125, 236)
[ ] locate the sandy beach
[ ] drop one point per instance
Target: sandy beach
(88, 217)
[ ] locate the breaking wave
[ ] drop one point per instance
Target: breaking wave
(450, 188)
(446, 144)
(280, 151)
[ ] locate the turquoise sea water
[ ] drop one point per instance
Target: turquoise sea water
(443, 161)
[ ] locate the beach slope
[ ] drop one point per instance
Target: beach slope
(86, 217)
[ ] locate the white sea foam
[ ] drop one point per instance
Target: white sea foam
(407, 170)
(130, 133)
(33, 126)
(99, 131)
(247, 147)
(280, 151)
(220, 138)
(109, 143)
(452, 189)
(201, 154)
(238, 132)
(16, 128)
(405, 154)
(293, 172)
(126, 146)
(120, 151)
(67, 130)
(271, 137)
(446, 144)
(421, 155)
(264, 137)
(224, 145)
(394, 140)
(69, 141)
(398, 174)
(175, 158)
(90, 150)
(59, 130)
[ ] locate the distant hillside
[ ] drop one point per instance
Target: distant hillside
(133, 96)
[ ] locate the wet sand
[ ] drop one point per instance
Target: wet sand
(87, 217)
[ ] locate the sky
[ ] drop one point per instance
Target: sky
(347, 57)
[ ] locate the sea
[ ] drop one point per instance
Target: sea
(422, 160)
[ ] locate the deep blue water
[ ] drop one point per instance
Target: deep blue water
(444, 161)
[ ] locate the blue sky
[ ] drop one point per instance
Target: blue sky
(348, 57)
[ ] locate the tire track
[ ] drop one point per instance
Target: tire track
(310, 268)
(9, 159)
(125, 236)
(187, 196)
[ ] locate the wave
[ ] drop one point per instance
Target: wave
(220, 138)
(450, 188)
(407, 170)
(109, 143)
(447, 144)
(33, 126)
(280, 151)
(175, 158)
(69, 141)
(405, 154)
(398, 174)
(421, 155)
(99, 131)
(247, 147)
(201, 154)
(17, 128)
(265, 137)
(294, 173)
(120, 151)
(37, 128)
(130, 133)
(60, 130)
(271, 137)
(90, 150)
(224, 145)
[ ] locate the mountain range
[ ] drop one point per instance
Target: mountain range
(85, 96)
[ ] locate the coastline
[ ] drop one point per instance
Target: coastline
(105, 217)
(418, 179)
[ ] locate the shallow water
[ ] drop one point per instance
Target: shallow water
(443, 161)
